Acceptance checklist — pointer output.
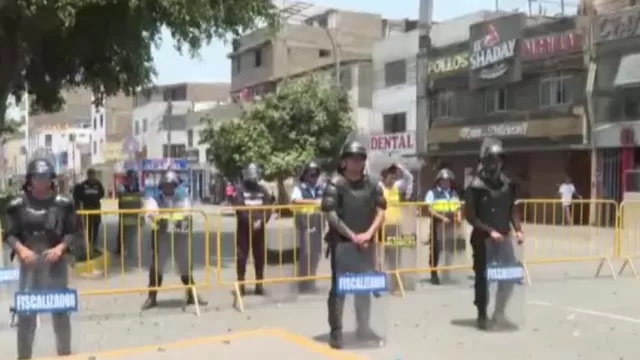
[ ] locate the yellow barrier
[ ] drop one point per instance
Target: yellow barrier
(629, 235)
(584, 230)
(104, 266)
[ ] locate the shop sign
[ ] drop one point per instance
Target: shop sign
(448, 64)
(616, 26)
(550, 45)
(501, 130)
(490, 54)
(397, 143)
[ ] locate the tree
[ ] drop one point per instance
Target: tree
(46, 46)
(239, 144)
(307, 118)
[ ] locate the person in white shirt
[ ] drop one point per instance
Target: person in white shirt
(567, 193)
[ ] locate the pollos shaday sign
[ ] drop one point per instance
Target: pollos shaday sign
(489, 54)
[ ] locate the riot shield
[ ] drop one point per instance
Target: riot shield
(400, 257)
(9, 275)
(44, 289)
(506, 284)
(282, 255)
(364, 323)
(451, 247)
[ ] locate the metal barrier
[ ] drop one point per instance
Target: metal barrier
(581, 231)
(142, 248)
(417, 244)
(629, 235)
(282, 250)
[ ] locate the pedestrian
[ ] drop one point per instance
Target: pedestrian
(308, 222)
(444, 208)
(567, 193)
(490, 209)
(40, 227)
(230, 192)
(163, 226)
(250, 226)
(88, 195)
(130, 197)
(397, 184)
(354, 207)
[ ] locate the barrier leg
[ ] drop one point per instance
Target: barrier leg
(398, 277)
(238, 302)
(196, 300)
(628, 262)
(527, 276)
(608, 261)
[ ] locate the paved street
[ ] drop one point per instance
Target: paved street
(570, 314)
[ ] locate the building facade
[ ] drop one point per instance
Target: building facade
(521, 80)
(392, 134)
(615, 100)
(314, 40)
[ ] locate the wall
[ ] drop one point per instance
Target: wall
(15, 158)
(154, 136)
(398, 98)
(60, 143)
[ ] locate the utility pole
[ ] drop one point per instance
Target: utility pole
(168, 126)
(422, 78)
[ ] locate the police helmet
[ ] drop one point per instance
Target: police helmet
(445, 174)
(170, 177)
(353, 148)
(310, 167)
(491, 148)
(41, 167)
(251, 173)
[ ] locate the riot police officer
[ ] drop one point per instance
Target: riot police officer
(444, 208)
(163, 225)
(250, 226)
(354, 206)
(87, 196)
(308, 223)
(490, 210)
(41, 225)
(129, 198)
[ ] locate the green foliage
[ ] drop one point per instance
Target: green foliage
(305, 119)
(106, 45)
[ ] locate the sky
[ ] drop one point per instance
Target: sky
(213, 65)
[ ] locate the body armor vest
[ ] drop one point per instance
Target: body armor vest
(356, 204)
(495, 202)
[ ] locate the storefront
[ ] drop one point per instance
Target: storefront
(541, 153)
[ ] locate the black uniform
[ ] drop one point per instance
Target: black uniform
(489, 206)
(350, 206)
(41, 225)
(87, 196)
(129, 198)
(250, 225)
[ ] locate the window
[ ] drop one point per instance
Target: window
(395, 73)
(95, 123)
(324, 53)
(235, 65)
(95, 147)
(177, 151)
(257, 58)
(48, 140)
(443, 105)
(178, 93)
(144, 125)
(72, 137)
(394, 123)
(555, 90)
(189, 138)
(495, 100)
(101, 121)
(136, 128)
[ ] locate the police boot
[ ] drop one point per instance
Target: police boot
(364, 332)
(152, 298)
(435, 279)
(259, 286)
(191, 300)
(335, 307)
(499, 317)
(482, 322)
